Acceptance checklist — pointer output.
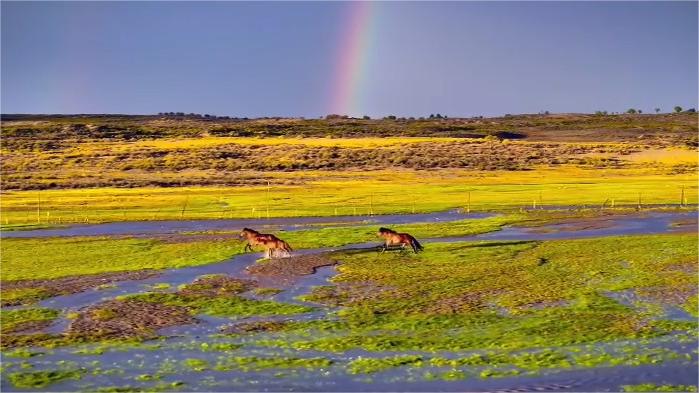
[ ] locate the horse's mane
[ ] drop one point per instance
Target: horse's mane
(386, 230)
(250, 230)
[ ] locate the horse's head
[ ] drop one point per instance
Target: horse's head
(383, 232)
(247, 232)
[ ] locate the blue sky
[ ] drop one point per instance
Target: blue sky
(280, 59)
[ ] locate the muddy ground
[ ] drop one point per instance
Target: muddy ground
(128, 318)
(284, 271)
(67, 285)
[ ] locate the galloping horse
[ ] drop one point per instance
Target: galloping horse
(393, 238)
(270, 242)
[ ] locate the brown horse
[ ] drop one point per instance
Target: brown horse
(393, 238)
(268, 241)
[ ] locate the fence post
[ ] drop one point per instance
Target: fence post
(184, 207)
(38, 208)
(682, 200)
(268, 186)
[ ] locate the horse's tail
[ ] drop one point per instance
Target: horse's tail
(286, 246)
(416, 245)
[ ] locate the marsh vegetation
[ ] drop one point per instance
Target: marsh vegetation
(184, 309)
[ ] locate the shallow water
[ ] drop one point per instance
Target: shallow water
(286, 224)
(184, 342)
(134, 362)
(644, 224)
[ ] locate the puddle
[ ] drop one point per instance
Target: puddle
(646, 224)
(631, 299)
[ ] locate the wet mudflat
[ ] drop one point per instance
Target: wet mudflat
(384, 322)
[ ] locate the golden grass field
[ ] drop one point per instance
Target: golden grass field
(355, 193)
(84, 169)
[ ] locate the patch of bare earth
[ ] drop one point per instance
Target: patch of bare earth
(72, 284)
(667, 295)
(284, 271)
(128, 318)
(349, 293)
(458, 304)
(217, 286)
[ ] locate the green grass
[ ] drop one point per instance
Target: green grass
(12, 319)
(40, 258)
(372, 365)
(499, 295)
(253, 363)
(40, 379)
(45, 258)
(339, 236)
(23, 295)
(650, 387)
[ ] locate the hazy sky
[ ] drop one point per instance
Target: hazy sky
(310, 59)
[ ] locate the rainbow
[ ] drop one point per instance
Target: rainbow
(353, 59)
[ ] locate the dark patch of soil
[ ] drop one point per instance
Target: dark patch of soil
(217, 286)
(687, 267)
(27, 339)
(254, 327)
(72, 284)
(127, 318)
(349, 293)
(667, 295)
(286, 270)
(458, 304)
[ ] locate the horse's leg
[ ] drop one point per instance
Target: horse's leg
(247, 247)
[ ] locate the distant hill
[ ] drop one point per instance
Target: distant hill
(553, 127)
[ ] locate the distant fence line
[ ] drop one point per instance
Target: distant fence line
(44, 213)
